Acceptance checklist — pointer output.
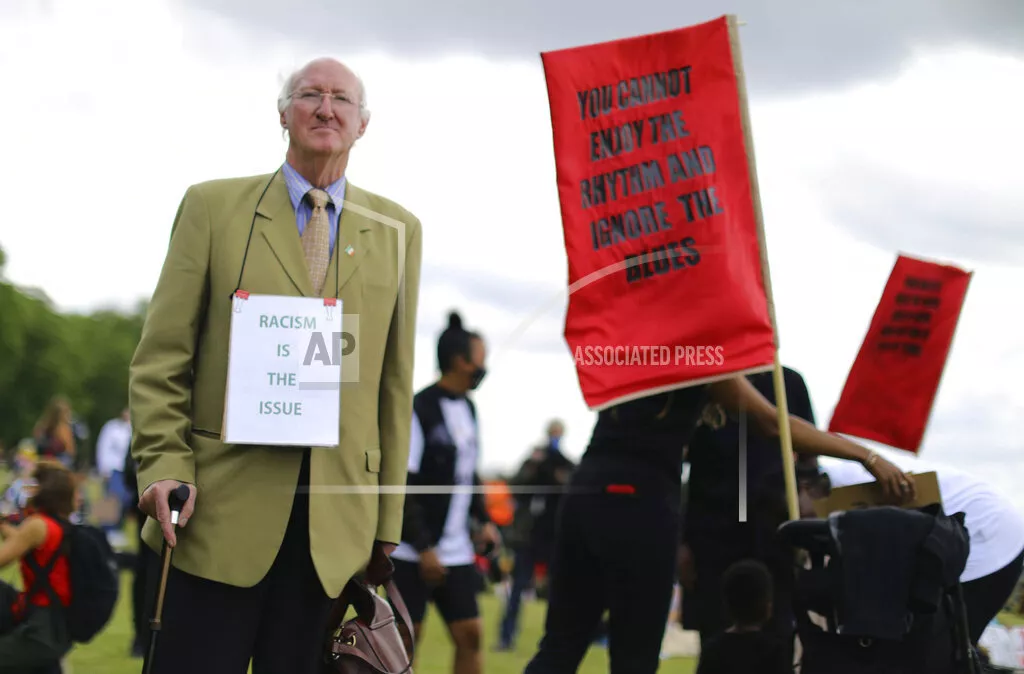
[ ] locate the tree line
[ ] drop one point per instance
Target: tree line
(45, 353)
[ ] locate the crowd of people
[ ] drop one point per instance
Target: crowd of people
(49, 461)
(270, 535)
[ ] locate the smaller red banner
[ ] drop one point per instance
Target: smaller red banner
(891, 388)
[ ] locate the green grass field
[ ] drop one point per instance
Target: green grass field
(108, 653)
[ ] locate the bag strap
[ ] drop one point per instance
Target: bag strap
(402, 612)
(342, 604)
(42, 573)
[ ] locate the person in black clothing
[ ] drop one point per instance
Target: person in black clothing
(548, 469)
(436, 560)
(713, 536)
(743, 648)
(617, 534)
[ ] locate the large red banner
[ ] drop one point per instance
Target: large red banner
(891, 388)
(656, 183)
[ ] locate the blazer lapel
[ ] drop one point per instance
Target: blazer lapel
(351, 245)
(282, 234)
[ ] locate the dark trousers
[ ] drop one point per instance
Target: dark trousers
(985, 597)
(33, 645)
(614, 552)
(140, 620)
(280, 623)
(522, 578)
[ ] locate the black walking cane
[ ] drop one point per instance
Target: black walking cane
(176, 499)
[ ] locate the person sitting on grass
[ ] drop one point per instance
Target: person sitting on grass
(744, 648)
(33, 634)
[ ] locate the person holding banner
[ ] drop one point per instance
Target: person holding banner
(618, 528)
(286, 444)
(717, 534)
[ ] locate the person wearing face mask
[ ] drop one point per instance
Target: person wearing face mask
(435, 560)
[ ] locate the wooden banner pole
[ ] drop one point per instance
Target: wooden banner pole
(785, 434)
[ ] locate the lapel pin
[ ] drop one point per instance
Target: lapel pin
(350, 251)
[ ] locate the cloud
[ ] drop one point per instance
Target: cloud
(927, 162)
(787, 45)
(962, 220)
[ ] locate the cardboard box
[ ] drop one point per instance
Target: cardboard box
(870, 494)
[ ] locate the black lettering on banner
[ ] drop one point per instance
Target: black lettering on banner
(660, 260)
(621, 183)
(695, 163)
(667, 127)
(907, 330)
(595, 102)
(617, 194)
(647, 89)
(700, 204)
(633, 92)
(616, 141)
(629, 225)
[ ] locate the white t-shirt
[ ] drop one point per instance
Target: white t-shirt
(995, 526)
(112, 446)
(455, 547)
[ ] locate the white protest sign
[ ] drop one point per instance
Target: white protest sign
(284, 371)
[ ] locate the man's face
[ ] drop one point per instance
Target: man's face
(322, 116)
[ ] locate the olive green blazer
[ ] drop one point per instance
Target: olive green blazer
(177, 381)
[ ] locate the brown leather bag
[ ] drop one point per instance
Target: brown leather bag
(376, 640)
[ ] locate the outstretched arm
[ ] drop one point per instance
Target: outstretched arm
(738, 395)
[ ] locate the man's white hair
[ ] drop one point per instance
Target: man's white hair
(288, 89)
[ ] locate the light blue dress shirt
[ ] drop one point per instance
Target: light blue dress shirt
(297, 189)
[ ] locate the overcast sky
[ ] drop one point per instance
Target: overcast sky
(879, 128)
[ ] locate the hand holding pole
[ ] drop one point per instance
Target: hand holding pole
(176, 501)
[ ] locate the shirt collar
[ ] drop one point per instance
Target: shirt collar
(299, 186)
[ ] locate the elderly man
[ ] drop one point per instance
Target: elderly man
(271, 534)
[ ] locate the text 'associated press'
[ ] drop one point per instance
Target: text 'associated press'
(626, 355)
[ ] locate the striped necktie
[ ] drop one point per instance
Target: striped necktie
(316, 240)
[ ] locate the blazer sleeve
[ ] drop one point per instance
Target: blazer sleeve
(396, 388)
(160, 374)
(414, 524)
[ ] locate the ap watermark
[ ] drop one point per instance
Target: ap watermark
(626, 355)
(328, 359)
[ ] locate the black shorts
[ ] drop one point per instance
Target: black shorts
(455, 598)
